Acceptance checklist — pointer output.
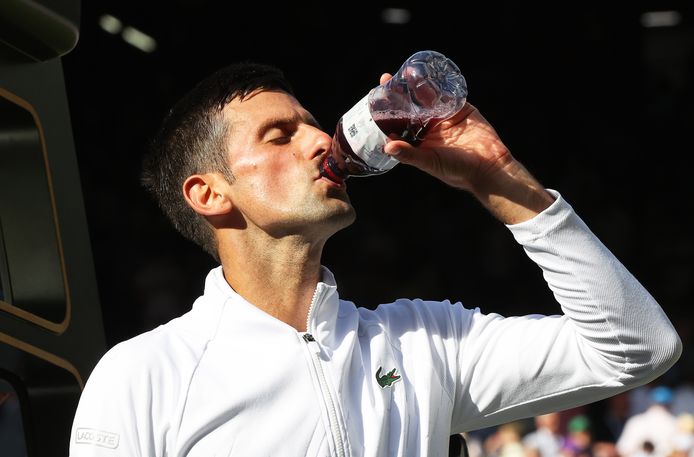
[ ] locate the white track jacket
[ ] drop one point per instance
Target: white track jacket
(227, 379)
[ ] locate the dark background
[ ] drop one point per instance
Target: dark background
(595, 104)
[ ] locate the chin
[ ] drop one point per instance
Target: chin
(338, 194)
(339, 221)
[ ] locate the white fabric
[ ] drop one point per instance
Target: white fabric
(227, 379)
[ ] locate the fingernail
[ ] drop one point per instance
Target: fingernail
(393, 152)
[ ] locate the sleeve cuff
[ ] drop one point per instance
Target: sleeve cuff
(545, 222)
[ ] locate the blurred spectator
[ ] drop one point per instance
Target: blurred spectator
(578, 440)
(683, 443)
(683, 395)
(506, 442)
(616, 415)
(605, 449)
(473, 446)
(683, 400)
(639, 400)
(647, 449)
(546, 440)
(607, 418)
(656, 425)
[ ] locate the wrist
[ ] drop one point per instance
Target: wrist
(512, 194)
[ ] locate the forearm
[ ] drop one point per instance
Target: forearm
(512, 194)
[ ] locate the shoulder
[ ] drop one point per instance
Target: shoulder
(164, 355)
(135, 390)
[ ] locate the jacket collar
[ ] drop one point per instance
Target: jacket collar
(230, 308)
(323, 313)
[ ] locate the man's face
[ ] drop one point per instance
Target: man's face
(275, 148)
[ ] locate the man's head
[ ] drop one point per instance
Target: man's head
(240, 122)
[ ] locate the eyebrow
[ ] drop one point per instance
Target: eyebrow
(281, 122)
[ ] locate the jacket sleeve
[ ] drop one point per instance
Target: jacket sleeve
(612, 334)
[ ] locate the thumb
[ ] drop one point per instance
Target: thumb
(424, 159)
(401, 150)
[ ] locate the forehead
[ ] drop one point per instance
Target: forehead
(261, 105)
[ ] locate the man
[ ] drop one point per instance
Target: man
(270, 361)
(546, 440)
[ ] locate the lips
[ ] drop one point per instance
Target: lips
(328, 170)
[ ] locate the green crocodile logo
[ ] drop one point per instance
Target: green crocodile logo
(387, 379)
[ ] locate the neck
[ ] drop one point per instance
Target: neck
(277, 275)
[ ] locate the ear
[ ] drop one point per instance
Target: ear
(206, 194)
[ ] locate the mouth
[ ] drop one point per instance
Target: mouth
(328, 171)
(339, 185)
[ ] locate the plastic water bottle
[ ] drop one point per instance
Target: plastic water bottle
(427, 89)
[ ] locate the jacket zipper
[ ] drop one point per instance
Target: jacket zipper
(314, 349)
(314, 299)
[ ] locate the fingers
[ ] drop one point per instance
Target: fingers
(385, 77)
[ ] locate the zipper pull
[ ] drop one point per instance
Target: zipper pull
(312, 343)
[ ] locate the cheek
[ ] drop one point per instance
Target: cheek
(270, 185)
(280, 174)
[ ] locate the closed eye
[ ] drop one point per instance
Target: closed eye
(280, 130)
(282, 139)
(280, 135)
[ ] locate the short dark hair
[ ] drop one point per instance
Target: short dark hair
(192, 140)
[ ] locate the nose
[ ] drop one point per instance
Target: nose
(319, 142)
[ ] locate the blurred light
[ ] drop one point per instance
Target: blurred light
(139, 39)
(110, 24)
(396, 16)
(661, 19)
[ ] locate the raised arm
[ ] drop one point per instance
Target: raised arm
(612, 335)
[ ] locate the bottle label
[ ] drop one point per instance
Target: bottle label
(365, 138)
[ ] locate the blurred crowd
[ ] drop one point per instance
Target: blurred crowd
(650, 421)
